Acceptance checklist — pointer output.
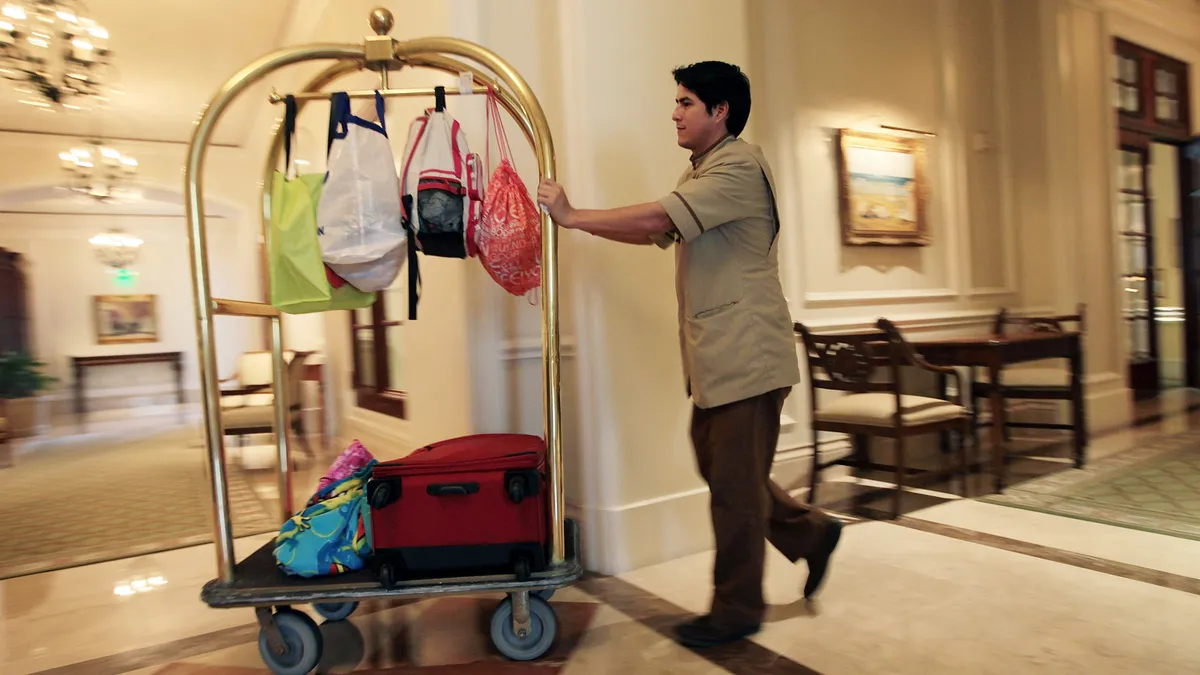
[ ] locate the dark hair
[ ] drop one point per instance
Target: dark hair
(717, 82)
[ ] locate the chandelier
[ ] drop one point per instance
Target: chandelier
(115, 248)
(98, 171)
(54, 54)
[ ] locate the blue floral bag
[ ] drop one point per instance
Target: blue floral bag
(332, 535)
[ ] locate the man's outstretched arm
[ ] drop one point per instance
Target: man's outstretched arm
(635, 239)
(638, 224)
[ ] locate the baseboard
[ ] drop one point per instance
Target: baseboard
(123, 398)
(385, 437)
(1109, 406)
(793, 466)
(523, 349)
(631, 536)
(619, 539)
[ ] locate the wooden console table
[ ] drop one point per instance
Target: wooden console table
(79, 363)
(995, 352)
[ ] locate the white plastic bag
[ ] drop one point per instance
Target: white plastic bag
(359, 223)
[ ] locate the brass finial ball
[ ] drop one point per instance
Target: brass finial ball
(382, 21)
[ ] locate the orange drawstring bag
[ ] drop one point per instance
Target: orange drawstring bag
(509, 237)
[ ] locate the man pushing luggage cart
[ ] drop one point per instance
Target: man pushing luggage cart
(735, 332)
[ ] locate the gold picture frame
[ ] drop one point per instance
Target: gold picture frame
(882, 189)
(126, 319)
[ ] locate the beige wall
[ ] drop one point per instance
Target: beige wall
(1015, 92)
(51, 227)
(941, 65)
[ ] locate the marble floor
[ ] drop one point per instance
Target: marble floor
(954, 586)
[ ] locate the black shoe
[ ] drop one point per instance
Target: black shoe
(818, 562)
(702, 632)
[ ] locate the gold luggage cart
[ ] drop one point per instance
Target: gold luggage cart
(524, 625)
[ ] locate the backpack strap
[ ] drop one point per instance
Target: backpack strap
(339, 111)
(380, 112)
(424, 122)
(289, 130)
(414, 272)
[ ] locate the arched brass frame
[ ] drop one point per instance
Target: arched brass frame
(515, 96)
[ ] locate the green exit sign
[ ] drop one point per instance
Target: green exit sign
(123, 278)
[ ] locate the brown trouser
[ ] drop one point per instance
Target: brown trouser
(735, 447)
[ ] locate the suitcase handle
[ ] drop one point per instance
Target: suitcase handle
(452, 489)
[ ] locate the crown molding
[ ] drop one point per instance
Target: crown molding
(1180, 18)
(118, 139)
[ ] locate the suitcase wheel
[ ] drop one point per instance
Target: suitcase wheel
(522, 569)
(387, 575)
(520, 484)
(382, 493)
(516, 489)
(530, 640)
(389, 570)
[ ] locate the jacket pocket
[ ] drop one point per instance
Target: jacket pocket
(711, 311)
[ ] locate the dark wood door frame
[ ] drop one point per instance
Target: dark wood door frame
(1143, 371)
(1189, 239)
(1141, 124)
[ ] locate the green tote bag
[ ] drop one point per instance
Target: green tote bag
(299, 284)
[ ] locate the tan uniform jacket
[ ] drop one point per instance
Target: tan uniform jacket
(735, 330)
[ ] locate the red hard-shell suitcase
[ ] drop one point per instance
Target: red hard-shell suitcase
(471, 503)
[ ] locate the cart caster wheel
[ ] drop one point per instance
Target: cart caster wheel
(303, 640)
(335, 611)
(543, 628)
(545, 594)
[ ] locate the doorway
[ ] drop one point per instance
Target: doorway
(1170, 319)
(1156, 238)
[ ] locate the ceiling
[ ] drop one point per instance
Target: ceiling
(170, 58)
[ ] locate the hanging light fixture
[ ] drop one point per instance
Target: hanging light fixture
(98, 171)
(116, 249)
(57, 57)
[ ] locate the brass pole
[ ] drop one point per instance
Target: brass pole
(432, 62)
(283, 449)
(225, 307)
(282, 409)
(507, 100)
(412, 52)
(276, 98)
(201, 284)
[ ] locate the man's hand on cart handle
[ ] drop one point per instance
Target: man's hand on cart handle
(553, 200)
(641, 224)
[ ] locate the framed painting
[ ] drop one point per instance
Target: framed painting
(882, 189)
(122, 319)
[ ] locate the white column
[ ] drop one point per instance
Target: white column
(1080, 153)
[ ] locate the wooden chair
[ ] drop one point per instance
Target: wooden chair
(877, 407)
(1045, 384)
(252, 410)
